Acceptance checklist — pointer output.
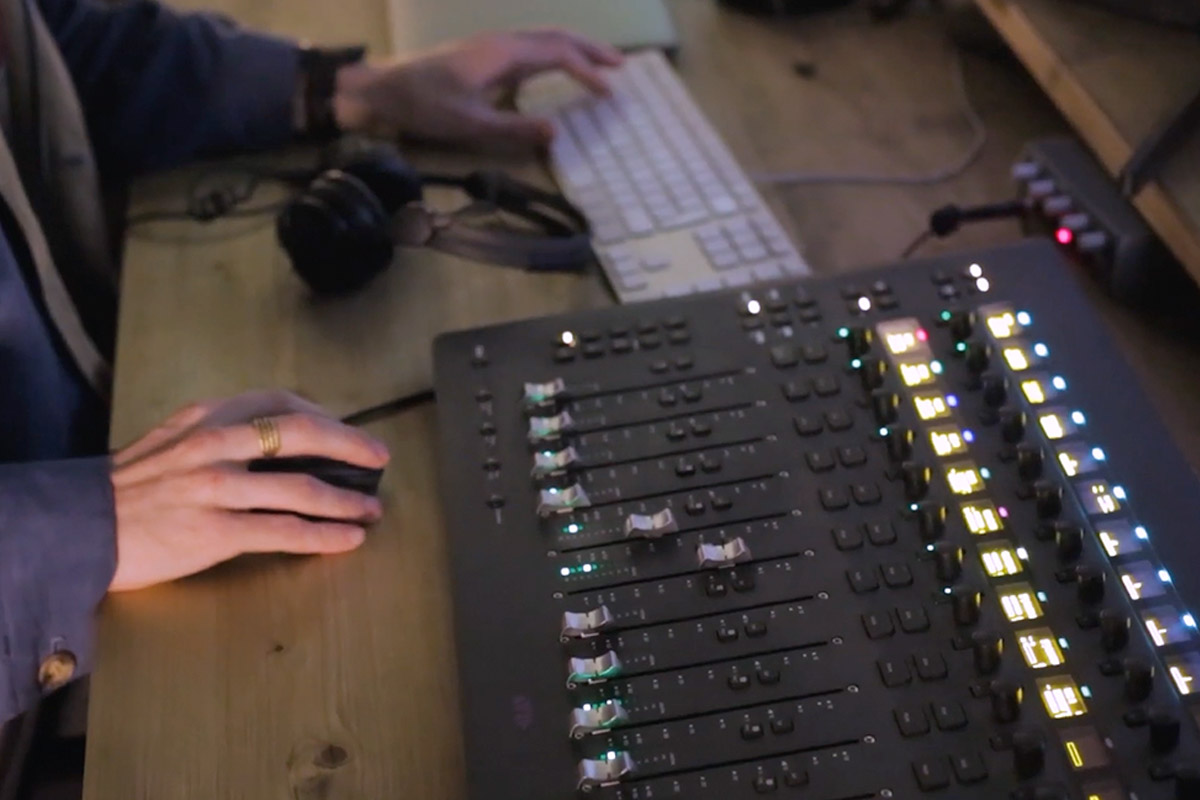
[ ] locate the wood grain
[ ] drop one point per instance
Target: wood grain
(324, 679)
(1117, 80)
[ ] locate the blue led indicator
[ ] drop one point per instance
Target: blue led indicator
(856, 363)
(935, 367)
(1042, 596)
(968, 436)
(883, 431)
(1059, 382)
(912, 507)
(952, 400)
(1086, 691)
(1098, 454)
(1164, 576)
(985, 473)
(1041, 350)
(1140, 532)
(946, 590)
(1023, 318)
(1188, 620)
(1119, 492)
(1062, 642)
(929, 547)
(1078, 418)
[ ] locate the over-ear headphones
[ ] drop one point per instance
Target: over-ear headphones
(342, 228)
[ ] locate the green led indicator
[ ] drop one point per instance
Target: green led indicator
(945, 315)
(572, 528)
(985, 473)
(935, 367)
(1062, 642)
(856, 363)
(961, 347)
(843, 332)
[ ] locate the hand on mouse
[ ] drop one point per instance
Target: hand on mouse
(184, 497)
(450, 93)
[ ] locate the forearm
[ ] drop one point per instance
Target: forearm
(57, 557)
(160, 87)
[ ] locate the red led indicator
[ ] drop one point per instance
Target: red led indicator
(1064, 235)
(922, 336)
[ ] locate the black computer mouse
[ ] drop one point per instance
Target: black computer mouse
(335, 473)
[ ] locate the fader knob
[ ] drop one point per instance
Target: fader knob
(1030, 461)
(858, 340)
(931, 520)
(1012, 424)
(1006, 702)
(1068, 542)
(987, 647)
(1089, 582)
(871, 372)
(1164, 730)
(962, 324)
(1029, 754)
(1187, 783)
(884, 405)
(978, 356)
(1048, 497)
(965, 602)
(1114, 629)
(995, 389)
(916, 479)
(899, 442)
(947, 561)
(1139, 679)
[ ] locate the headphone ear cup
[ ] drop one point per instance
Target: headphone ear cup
(381, 168)
(336, 233)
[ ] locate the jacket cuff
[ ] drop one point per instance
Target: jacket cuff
(257, 84)
(57, 559)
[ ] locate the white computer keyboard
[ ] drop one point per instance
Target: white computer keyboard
(672, 213)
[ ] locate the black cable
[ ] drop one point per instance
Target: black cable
(389, 408)
(949, 218)
(916, 244)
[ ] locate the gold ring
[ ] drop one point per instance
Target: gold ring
(268, 436)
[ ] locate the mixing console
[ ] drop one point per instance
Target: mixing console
(911, 532)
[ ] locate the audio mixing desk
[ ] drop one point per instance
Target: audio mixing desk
(904, 533)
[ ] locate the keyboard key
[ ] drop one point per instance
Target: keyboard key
(913, 619)
(826, 385)
(931, 774)
(833, 498)
(896, 576)
(807, 426)
(931, 666)
(784, 356)
(894, 672)
(880, 534)
(866, 494)
(847, 538)
(878, 625)
(949, 715)
(968, 768)
(838, 420)
(911, 721)
(852, 456)
(782, 725)
(862, 580)
(795, 391)
(819, 460)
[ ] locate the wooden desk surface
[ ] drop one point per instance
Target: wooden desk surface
(1117, 80)
(326, 678)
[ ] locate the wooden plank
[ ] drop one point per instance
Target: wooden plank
(1116, 80)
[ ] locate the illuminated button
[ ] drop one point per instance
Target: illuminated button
(551, 462)
(1078, 459)
(1039, 648)
(560, 501)
(1118, 537)
(995, 389)
(1142, 580)
(1183, 670)
(595, 773)
(963, 477)
(1114, 629)
(1033, 390)
(1001, 322)
(1000, 559)
(1084, 748)
(1006, 701)
(723, 554)
(947, 440)
(981, 517)
(1017, 358)
(1056, 423)
(537, 393)
(650, 526)
(918, 373)
(592, 670)
(1019, 602)
(1061, 697)
(931, 406)
(543, 429)
(1098, 497)
(1166, 625)
(597, 718)
(578, 625)
(903, 336)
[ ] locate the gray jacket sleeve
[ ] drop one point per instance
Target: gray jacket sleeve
(159, 87)
(57, 557)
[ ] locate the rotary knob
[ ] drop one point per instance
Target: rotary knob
(858, 340)
(884, 405)
(978, 357)
(987, 647)
(1006, 702)
(1089, 582)
(871, 372)
(899, 441)
(1164, 730)
(916, 479)
(965, 603)
(931, 520)
(1048, 497)
(1029, 754)
(962, 324)
(947, 561)
(995, 389)
(1012, 424)
(1187, 783)
(1139, 679)
(1030, 461)
(1114, 629)
(1068, 543)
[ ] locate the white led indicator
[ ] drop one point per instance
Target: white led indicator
(1164, 576)
(1098, 454)
(1052, 425)
(1188, 620)
(1041, 350)
(564, 572)
(753, 307)
(864, 304)
(1119, 492)
(975, 271)
(1078, 418)
(1024, 318)
(1140, 532)
(982, 284)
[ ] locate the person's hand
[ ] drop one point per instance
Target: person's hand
(185, 500)
(450, 93)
